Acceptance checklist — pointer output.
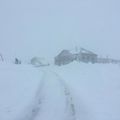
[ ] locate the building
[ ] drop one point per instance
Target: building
(65, 57)
(86, 56)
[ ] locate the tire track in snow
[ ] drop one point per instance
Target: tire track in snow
(70, 106)
(34, 109)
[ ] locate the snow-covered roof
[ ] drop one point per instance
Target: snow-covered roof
(81, 50)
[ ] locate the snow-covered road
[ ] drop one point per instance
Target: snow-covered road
(53, 100)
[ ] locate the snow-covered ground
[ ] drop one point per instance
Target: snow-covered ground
(18, 86)
(72, 92)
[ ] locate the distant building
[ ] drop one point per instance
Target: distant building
(86, 56)
(82, 55)
(64, 57)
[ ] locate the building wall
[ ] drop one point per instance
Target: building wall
(65, 57)
(87, 58)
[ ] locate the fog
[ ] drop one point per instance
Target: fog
(43, 28)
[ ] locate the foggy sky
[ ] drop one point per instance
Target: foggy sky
(44, 27)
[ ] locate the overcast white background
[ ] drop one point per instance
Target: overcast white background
(44, 27)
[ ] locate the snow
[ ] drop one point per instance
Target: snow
(18, 85)
(76, 91)
(96, 89)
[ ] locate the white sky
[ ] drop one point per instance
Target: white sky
(44, 27)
